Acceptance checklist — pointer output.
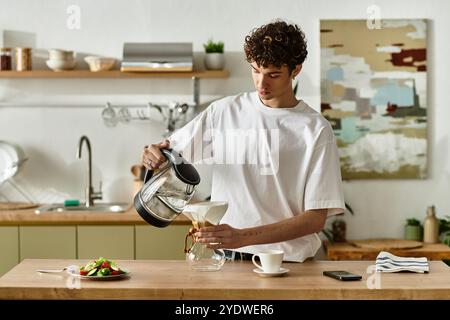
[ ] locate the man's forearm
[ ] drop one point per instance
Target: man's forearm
(307, 223)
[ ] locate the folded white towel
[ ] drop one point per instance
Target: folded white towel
(387, 262)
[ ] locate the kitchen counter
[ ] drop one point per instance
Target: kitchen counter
(28, 217)
(348, 251)
(164, 279)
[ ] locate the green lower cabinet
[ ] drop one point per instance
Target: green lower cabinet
(90, 242)
(9, 248)
(113, 242)
(161, 243)
(48, 242)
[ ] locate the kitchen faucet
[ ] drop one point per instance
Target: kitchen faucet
(90, 194)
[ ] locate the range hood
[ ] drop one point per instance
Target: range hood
(157, 57)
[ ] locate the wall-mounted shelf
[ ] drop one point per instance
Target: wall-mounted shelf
(117, 74)
(114, 74)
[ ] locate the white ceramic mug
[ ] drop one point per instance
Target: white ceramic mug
(270, 260)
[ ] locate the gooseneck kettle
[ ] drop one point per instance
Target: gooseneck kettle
(166, 190)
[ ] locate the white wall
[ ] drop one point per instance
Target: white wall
(49, 135)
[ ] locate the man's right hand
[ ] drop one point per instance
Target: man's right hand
(152, 156)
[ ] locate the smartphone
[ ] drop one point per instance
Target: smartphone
(342, 275)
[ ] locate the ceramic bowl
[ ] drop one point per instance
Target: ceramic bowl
(100, 63)
(59, 54)
(61, 65)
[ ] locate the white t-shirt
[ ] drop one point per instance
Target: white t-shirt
(269, 164)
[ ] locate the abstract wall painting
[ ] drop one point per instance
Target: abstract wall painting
(373, 92)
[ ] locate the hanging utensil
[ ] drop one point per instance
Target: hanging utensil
(109, 116)
(124, 114)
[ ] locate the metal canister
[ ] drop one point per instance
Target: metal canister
(23, 59)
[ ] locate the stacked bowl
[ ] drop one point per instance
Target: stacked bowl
(60, 60)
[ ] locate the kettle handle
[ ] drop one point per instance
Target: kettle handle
(149, 173)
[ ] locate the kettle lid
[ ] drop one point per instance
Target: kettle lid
(185, 171)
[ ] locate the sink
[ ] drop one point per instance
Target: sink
(97, 207)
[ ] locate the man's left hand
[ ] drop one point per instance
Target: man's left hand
(221, 236)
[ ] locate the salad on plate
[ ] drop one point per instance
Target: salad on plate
(102, 268)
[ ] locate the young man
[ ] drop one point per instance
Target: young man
(284, 178)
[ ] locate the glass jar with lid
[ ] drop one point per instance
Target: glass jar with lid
(5, 59)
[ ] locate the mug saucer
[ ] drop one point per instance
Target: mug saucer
(271, 274)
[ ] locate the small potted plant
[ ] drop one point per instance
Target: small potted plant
(444, 230)
(413, 230)
(444, 234)
(214, 58)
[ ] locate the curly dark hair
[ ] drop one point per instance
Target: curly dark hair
(277, 44)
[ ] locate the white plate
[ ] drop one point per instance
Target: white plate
(110, 277)
(271, 274)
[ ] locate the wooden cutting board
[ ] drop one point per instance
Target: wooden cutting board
(386, 244)
(16, 205)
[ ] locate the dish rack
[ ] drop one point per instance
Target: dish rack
(11, 161)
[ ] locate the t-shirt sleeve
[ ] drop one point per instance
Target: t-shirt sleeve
(323, 188)
(193, 140)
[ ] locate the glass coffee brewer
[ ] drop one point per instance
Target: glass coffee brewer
(199, 256)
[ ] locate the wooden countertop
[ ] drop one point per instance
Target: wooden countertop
(152, 279)
(28, 217)
(348, 251)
